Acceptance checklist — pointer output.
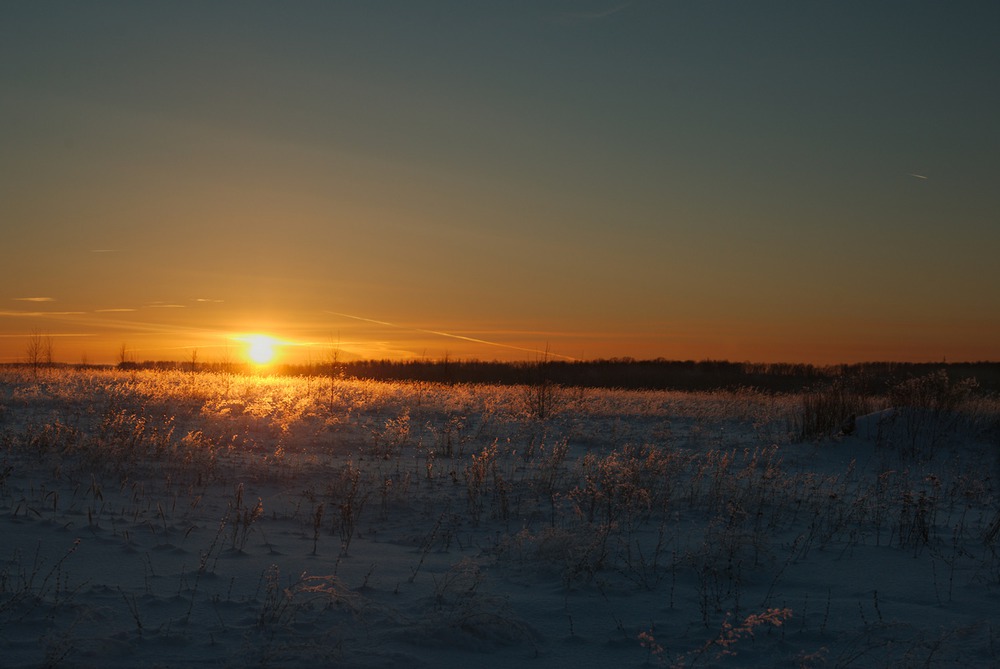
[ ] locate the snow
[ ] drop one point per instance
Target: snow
(163, 519)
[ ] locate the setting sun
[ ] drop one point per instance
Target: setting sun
(260, 349)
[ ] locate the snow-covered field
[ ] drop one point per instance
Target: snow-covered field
(164, 519)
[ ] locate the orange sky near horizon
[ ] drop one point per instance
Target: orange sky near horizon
(178, 338)
(791, 183)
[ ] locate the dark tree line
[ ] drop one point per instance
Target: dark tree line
(658, 374)
(626, 373)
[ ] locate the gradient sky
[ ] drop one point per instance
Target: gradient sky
(769, 181)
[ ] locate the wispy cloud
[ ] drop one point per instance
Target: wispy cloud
(108, 311)
(18, 335)
(36, 314)
(451, 335)
(35, 299)
(107, 322)
(918, 176)
(164, 305)
(205, 299)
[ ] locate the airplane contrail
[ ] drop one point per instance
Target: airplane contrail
(438, 333)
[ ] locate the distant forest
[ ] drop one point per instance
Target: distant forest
(870, 377)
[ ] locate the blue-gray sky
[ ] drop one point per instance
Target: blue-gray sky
(800, 181)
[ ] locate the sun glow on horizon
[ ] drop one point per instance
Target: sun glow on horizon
(260, 348)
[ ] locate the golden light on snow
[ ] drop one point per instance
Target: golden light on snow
(260, 348)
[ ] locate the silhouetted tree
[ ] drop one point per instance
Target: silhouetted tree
(38, 351)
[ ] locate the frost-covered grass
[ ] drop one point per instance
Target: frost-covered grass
(169, 519)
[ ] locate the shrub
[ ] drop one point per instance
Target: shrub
(831, 409)
(928, 408)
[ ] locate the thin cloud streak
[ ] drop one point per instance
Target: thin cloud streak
(451, 335)
(107, 324)
(36, 314)
(19, 335)
(34, 299)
